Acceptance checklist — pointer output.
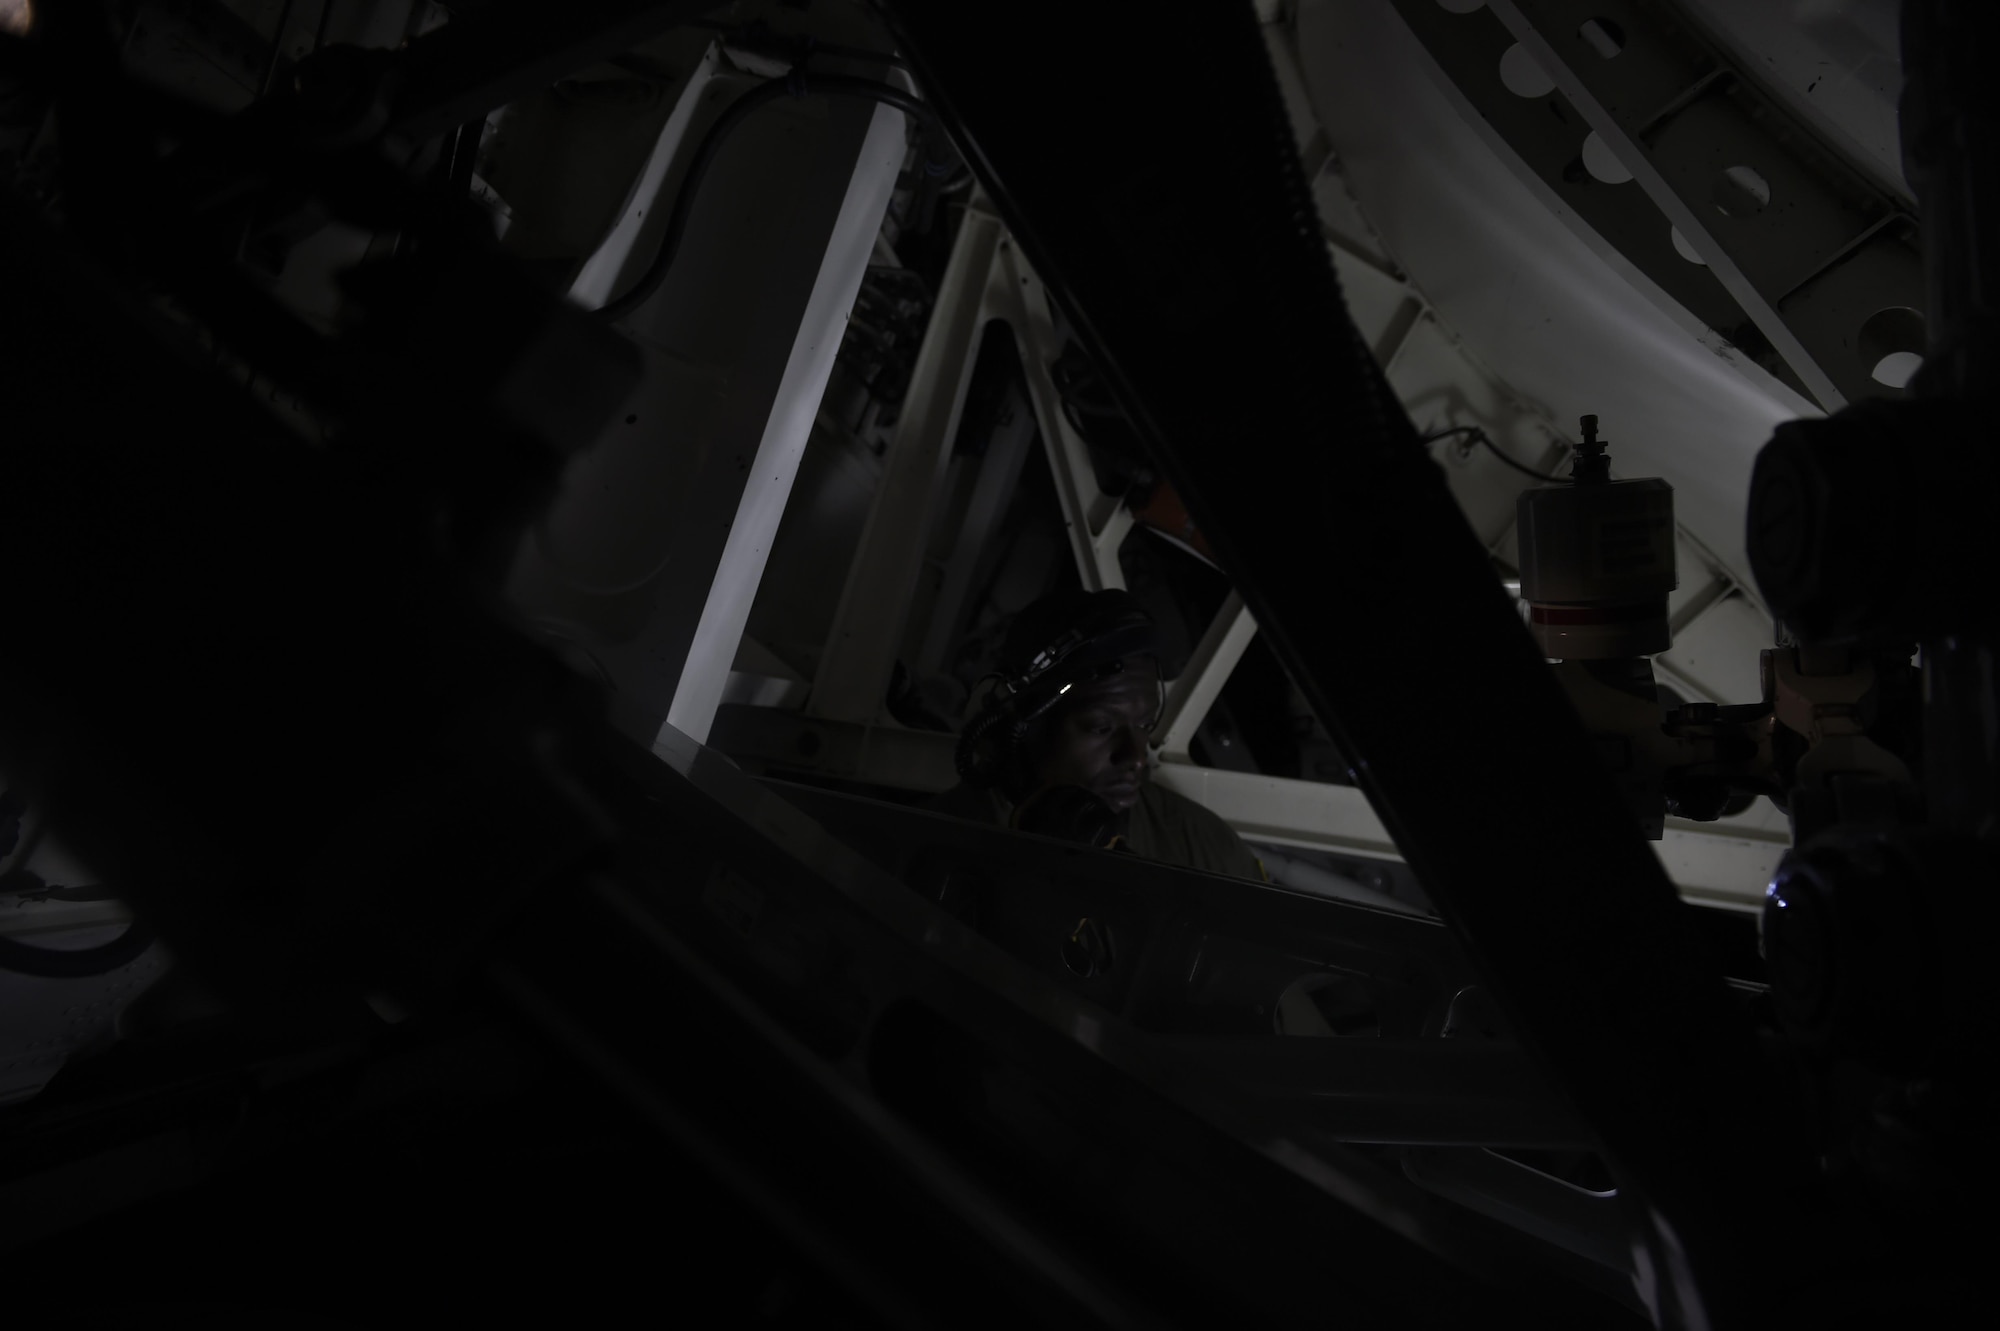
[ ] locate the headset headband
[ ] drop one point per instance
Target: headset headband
(991, 743)
(1128, 635)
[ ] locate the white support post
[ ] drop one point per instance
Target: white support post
(1191, 695)
(776, 463)
(650, 555)
(853, 676)
(986, 281)
(999, 477)
(1808, 271)
(1097, 522)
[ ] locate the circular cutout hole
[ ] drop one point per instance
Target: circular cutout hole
(1601, 162)
(1602, 36)
(1896, 369)
(1461, 6)
(1891, 345)
(1740, 192)
(1522, 75)
(1686, 250)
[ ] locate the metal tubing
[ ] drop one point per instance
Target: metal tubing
(999, 476)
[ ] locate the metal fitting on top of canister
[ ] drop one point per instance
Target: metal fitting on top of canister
(1597, 560)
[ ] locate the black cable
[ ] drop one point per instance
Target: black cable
(1479, 435)
(740, 110)
(46, 963)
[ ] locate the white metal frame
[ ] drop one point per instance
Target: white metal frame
(703, 481)
(852, 680)
(1097, 522)
(1200, 684)
(776, 463)
(987, 281)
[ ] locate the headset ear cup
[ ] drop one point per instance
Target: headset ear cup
(979, 756)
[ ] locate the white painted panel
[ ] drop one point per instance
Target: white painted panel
(1698, 581)
(1719, 650)
(1835, 63)
(1373, 297)
(1440, 387)
(1534, 304)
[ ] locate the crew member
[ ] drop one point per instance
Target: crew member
(1078, 695)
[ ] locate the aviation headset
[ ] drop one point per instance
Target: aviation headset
(1113, 630)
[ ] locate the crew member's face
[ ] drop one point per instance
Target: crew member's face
(1097, 738)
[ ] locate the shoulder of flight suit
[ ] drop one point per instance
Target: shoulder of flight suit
(1172, 828)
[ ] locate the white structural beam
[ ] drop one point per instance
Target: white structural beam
(985, 511)
(987, 282)
(1809, 248)
(853, 675)
(645, 564)
(1191, 695)
(1097, 523)
(776, 463)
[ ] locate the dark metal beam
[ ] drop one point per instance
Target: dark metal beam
(1191, 260)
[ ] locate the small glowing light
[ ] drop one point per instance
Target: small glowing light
(1065, 688)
